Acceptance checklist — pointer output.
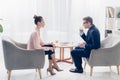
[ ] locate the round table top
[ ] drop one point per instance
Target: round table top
(65, 46)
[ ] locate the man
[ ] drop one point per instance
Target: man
(92, 41)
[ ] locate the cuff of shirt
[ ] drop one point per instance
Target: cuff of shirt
(81, 33)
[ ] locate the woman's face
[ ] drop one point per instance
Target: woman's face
(42, 23)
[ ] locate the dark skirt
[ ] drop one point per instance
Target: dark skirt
(50, 52)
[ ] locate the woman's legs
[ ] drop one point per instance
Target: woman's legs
(51, 57)
(55, 66)
(50, 69)
(50, 64)
(54, 61)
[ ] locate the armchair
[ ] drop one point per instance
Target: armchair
(17, 57)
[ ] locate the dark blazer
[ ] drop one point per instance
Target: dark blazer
(92, 39)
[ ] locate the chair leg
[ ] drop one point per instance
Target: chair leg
(118, 69)
(85, 65)
(91, 70)
(40, 74)
(36, 70)
(110, 68)
(9, 74)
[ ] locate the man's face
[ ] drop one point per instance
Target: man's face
(86, 24)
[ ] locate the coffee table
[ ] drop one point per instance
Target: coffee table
(62, 59)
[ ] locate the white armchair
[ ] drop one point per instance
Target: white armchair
(107, 55)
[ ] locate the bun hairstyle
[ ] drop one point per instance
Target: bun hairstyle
(37, 19)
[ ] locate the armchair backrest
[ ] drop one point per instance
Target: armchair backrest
(20, 45)
(109, 41)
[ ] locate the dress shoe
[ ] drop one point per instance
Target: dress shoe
(76, 70)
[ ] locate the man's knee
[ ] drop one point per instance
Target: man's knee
(73, 52)
(78, 47)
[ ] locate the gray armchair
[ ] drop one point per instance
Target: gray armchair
(17, 57)
(107, 55)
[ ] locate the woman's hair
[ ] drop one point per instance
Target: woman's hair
(37, 19)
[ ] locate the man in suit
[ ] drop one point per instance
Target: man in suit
(92, 41)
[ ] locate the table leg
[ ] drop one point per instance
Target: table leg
(70, 54)
(62, 54)
(60, 59)
(67, 59)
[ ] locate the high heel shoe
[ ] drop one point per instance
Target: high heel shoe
(50, 71)
(56, 68)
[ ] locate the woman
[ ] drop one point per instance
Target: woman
(36, 42)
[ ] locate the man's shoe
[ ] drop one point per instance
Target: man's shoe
(76, 70)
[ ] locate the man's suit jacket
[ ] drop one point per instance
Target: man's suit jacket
(92, 39)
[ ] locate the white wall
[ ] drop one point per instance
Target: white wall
(63, 17)
(77, 10)
(17, 17)
(93, 8)
(56, 14)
